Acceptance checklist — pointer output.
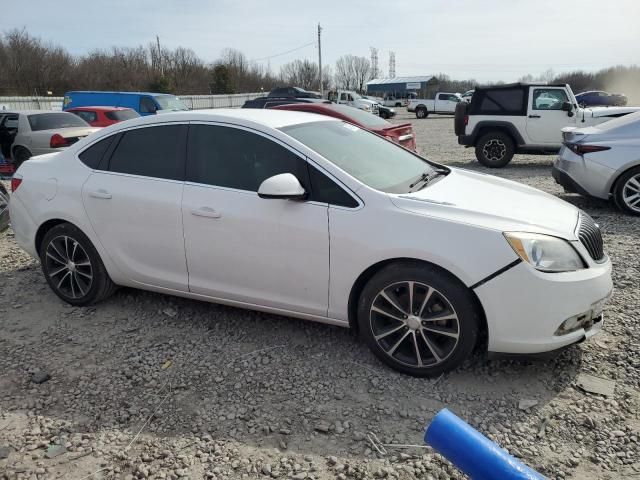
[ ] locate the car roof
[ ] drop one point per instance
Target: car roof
(28, 112)
(267, 117)
(521, 84)
(119, 93)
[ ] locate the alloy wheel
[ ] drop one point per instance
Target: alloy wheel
(631, 193)
(414, 324)
(69, 267)
(494, 150)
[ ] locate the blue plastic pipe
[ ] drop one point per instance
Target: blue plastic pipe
(473, 453)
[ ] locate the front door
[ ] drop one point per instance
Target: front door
(545, 118)
(268, 252)
(134, 205)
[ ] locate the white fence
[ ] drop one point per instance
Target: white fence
(195, 102)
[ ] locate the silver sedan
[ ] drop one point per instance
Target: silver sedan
(603, 161)
(28, 133)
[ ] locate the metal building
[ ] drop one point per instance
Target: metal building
(424, 86)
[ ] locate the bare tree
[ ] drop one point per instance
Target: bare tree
(352, 72)
(300, 73)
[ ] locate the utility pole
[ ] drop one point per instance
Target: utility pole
(160, 56)
(320, 60)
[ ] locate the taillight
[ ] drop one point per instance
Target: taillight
(581, 149)
(15, 183)
(466, 120)
(57, 141)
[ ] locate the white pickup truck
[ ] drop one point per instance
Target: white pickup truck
(351, 98)
(443, 103)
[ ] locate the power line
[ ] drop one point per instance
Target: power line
(284, 53)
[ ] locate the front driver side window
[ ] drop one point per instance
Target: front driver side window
(343, 97)
(236, 158)
(548, 99)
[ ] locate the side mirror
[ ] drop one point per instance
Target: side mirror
(284, 186)
(567, 107)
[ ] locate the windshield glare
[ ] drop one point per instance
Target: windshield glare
(365, 118)
(372, 160)
(168, 102)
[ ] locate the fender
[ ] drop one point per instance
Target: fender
(508, 126)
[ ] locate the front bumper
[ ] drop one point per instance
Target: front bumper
(582, 175)
(525, 307)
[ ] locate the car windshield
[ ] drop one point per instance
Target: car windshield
(374, 161)
(367, 119)
(169, 102)
(52, 121)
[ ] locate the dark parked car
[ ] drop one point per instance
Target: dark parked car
(596, 98)
(269, 101)
(295, 92)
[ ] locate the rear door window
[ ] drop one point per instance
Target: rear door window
(92, 156)
(121, 115)
(156, 152)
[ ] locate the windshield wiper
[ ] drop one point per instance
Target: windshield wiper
(427, 176)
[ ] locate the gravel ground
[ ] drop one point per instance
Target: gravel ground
(151, 386)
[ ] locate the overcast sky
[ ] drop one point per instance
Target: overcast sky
(481, 39)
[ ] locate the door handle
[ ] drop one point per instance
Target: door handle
(534, 116)
(100, 194)
(205, 212)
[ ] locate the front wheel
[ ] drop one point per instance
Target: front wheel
(418, 319)
(422, 112)
(494, 149)
(626, 192)
(72, 266)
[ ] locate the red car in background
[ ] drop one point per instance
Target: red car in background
(103, 116)
(401, 134)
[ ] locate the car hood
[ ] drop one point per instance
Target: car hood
(613, 112)
(493, 203)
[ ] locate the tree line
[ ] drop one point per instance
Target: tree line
(31, 66)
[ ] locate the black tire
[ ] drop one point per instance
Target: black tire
(66, 243)
(432, 353)
(628, 185)
(20, 155)
(384, 115)
(422, 112)
(495, 149)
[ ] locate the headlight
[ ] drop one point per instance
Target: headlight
(367, 107)
(544, 252)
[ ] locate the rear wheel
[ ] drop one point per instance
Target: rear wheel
(422, 112)
(494, 149)
(418, 319)
(20, 155)
(72, 266)
(626, 192)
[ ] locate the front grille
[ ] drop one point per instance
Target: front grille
(591, 237)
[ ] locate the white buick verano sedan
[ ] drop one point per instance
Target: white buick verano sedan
(311, 217)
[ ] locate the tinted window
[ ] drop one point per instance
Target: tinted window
(86, 116)
(508, 101)
(327, 191)
(51, 121)
(91, 156)
(147, 105)
(234, 158)
(11, 122)
(121, 115)
(151, 152)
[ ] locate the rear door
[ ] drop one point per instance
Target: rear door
(133, 200)
(546, 118)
